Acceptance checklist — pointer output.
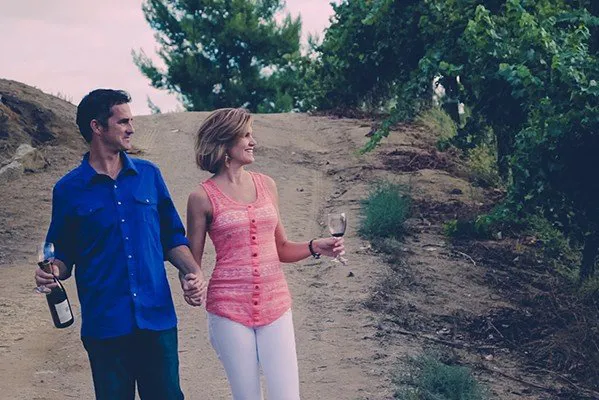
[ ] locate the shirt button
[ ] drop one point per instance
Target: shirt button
(255, 303)
(255, 255)
(115, 186)
(253, 237)
(257, 287)
(129, 256)
(134, 294)
(118, 202)
(249, 206)
(126, 237)
(123, 220)
(256, 270)
(147, 200)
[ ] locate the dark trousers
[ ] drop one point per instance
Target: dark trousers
(149, 358)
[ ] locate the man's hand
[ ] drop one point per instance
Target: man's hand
(194, 288)
(43, 278)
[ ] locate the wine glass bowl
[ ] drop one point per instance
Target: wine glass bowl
(45, 258)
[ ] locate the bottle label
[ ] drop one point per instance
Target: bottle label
(64, 311)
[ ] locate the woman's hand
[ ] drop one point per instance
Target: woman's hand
(330, 246)
(194, 288)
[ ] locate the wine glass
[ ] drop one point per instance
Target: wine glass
(337, 222)
(45, 258)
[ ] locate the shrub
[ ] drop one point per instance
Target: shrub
(385, 211)
(482, 163)
(440, 124)
(431, 379)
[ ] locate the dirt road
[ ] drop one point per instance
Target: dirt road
(339, 353)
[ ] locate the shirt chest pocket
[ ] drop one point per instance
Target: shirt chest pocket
(145, 206)
(92, 219)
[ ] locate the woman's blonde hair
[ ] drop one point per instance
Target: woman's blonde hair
(217, 134)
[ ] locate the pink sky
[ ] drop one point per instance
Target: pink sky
(67, 46)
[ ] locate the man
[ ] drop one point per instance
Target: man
(114, 219)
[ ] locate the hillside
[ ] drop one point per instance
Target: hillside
(28, 115)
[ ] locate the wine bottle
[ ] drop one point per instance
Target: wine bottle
(58, 301)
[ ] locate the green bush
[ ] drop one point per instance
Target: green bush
(430, 379)
(385, 211)
(482, 163)
(439, 123)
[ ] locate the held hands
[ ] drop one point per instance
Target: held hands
(330, 246)
(194, 288)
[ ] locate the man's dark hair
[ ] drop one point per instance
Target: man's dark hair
(97, 105)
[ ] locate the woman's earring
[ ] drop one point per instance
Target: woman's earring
(227, 159)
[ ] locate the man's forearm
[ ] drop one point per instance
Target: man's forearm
(183, 260)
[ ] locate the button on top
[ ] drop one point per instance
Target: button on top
(255, 255)
(118, 202)
(115, 186)
(123, 220)
(253, 220)
(147, 200)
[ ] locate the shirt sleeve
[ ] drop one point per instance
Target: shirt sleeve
(172, 231)
(61, 228)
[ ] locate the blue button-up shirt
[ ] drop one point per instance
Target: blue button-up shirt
(117, 233)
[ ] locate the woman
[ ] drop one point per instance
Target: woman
(248, 301)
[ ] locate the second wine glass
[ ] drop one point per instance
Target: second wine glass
(45, 258)
(337, 223)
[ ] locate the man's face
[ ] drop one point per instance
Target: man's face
(116, 135)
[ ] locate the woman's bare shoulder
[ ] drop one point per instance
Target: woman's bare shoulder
(198, 199)
(269, 181)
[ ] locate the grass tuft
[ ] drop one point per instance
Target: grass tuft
(430, 379)
(385, 211)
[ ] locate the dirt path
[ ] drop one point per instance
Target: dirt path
(339, 354)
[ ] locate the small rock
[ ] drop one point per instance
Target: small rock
(350, 275)
(456, 191)
(11, 172)
(31, 158)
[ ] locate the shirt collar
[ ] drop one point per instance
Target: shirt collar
(90, 175)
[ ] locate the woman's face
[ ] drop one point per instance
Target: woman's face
(242, 151)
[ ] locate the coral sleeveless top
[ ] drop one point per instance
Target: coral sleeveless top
(247, 285)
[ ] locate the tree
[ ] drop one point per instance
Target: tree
(223, 53)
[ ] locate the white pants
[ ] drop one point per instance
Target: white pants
(242, 350)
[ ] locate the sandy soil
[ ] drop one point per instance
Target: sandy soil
(346, 351)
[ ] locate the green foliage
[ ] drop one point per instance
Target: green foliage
(485, 226)
(438, 122)
(527, 71)
(366, 49)
(154, 109)
(385, 211)
(431, 379)
(557, 249)
(224, 53)
(482, 165)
